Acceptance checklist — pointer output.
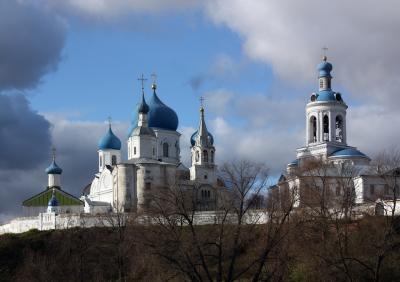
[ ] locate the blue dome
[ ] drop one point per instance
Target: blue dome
(350, 152)
(109, 141)
(53, 168)
(294, 163)
(326, 95)
(324, 69)
(160, 115)
(193, 138)
(53, 202)
(143, 107)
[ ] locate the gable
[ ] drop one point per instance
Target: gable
(42, 199)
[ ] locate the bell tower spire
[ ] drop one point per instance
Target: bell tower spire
(203, 152)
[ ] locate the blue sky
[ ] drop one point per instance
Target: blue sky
(97, 75)
(65, 66)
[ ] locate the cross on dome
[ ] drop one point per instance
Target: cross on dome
(324, 50)
(154, 78)
(202, 101)
(142, 79)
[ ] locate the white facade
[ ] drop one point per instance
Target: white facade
(153, 162)
(326, 141)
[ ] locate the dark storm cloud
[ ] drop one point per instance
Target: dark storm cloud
(31, 41)
(24, 134)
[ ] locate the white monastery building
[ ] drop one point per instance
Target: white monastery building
(153, 163)
(339, 170)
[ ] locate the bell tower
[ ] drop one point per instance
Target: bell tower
(326, 112)
(203, 153)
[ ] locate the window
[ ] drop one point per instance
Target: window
(101, 161)
(212, 156)
(339, 129)
(114, 160)
(372, 189)
(387, 192)
(205, 176)
(134, 150)
(197, 156)
(205, 194)
(147, 186)
(321, 83)
(205, 156)
(338, 191)
(165, 150)
(313, 129)
(326, 128)
(328, 82)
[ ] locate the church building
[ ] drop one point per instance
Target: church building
(153, 162)
(327, 169)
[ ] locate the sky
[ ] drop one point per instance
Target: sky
(66, 66)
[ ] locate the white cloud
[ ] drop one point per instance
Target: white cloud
(218, 101)
(109, 9)
(362, 37)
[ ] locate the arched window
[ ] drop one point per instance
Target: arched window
(326, 128)
(205, 156)
(339, 129)
(321, 83)
(100, 161)
(113, 160)
(165, 150)
(197, 156)
(212, 156)
(134, 150)
(313, 129)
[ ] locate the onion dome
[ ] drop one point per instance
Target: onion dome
(324, 68)
(109, 141)
(53, 168)
(348, 153)
(160, 115)
(143, 107)
(53, 202)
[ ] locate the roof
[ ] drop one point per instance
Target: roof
(326, 95)
(42, 199)
(140, 130)
(53, 168)
(194, 135)
(294, 162)
(143, 107)
(53, 202)
(160, 115)
(324, 68)
(109, 141)
(349, 152)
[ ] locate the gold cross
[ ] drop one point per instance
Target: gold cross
(154, 77)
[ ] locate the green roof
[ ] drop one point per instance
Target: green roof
(42, 199)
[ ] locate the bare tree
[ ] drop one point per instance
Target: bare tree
(230, 243)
